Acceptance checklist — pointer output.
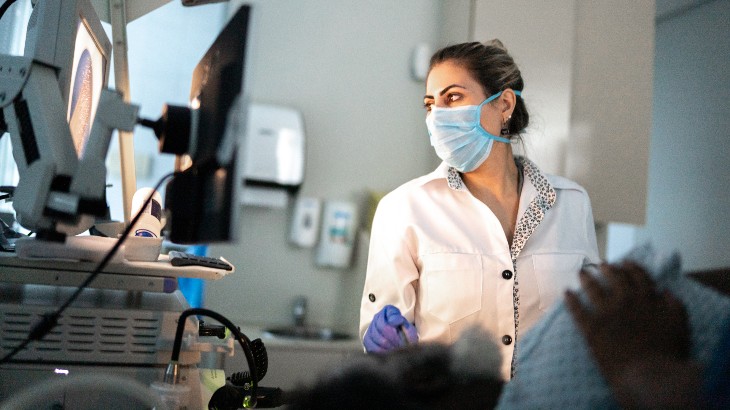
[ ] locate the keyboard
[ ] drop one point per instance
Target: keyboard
(178, 258)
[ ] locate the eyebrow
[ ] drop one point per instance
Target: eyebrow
(442, 92)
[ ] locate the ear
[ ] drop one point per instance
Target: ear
(508, 100)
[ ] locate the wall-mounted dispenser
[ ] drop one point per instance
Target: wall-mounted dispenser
(273, 155)
(338, 232)
(305, 222)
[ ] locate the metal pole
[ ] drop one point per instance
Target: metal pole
(118, 20)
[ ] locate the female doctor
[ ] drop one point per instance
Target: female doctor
(486, 239)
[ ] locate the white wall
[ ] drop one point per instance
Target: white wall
(345, 66)
(689, 173)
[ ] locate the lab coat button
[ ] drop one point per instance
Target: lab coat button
(507, 339)
(507, 274)
(371, 297)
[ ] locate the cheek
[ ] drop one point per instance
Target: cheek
(491, 120)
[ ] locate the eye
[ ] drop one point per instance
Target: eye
(453, 97)
(427, 105)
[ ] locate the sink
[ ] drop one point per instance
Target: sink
(306, 333)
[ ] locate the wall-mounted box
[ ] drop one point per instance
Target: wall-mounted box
(273, 154)
(337, 239)
(305, 222)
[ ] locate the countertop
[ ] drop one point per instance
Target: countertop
(255, 331)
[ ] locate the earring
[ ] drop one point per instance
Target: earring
(505, 127)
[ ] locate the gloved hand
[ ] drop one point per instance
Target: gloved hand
(383, 334)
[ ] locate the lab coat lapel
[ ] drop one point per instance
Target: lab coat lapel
(543, 198)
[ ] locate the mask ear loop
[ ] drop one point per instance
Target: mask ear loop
(479, 124)
(485, 102)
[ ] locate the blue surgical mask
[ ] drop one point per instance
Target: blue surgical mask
(458, 137)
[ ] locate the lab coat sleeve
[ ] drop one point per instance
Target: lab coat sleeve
(392, 264)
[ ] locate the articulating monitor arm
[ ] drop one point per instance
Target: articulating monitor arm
(58, 194)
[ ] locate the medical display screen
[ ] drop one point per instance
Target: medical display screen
(87, 79)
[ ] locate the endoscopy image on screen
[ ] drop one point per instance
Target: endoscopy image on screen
(86, 82)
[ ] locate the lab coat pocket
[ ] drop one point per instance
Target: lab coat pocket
(554, 274)
(453, 285)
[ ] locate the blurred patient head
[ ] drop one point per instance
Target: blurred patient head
(464, 375)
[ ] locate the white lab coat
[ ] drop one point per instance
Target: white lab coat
(441, 256)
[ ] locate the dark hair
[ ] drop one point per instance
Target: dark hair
(492, 66)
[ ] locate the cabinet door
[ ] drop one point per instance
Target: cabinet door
(611, 107)
(540, 36)
(588, 69)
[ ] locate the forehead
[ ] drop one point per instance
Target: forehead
(447, 73)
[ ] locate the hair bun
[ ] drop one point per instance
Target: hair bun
(495, 42)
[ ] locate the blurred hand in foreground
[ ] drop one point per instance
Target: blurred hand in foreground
(638, 335)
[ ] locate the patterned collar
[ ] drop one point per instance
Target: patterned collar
(545, 191)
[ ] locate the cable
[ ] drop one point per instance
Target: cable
(5, 7)
(50, 320)
(245, 343)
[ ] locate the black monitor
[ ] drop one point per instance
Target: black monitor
(202, 200)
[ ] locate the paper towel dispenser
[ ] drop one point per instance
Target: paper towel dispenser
(274, 148)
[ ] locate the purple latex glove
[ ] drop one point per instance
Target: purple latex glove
(389, 330)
